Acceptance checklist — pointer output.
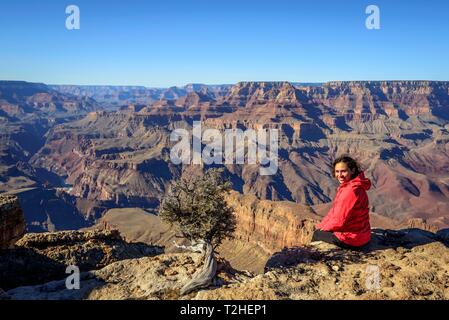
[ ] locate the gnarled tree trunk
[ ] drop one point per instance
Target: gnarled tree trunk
(203, 278)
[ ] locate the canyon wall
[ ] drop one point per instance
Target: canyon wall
(12, 222)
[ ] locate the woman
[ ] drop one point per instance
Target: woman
(347, 222)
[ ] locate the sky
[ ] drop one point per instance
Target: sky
(165, 43)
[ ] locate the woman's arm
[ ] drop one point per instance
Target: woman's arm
(340, 211)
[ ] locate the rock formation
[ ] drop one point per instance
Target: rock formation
(323, 271)
(12, 223)
(159, 277)
(406, 264)
(41, 257)
(113, 97)
(262, 228)
(27, 112)
(272, 225)
(397, 129)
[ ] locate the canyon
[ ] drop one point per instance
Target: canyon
(73, 153)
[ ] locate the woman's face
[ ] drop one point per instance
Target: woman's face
(342, 172)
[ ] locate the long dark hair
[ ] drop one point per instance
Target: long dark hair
(350, 162)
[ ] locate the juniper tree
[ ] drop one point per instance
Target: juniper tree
(198, 210)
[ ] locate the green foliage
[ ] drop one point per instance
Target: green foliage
(198, 209)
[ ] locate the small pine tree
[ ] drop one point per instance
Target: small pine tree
(197, 208)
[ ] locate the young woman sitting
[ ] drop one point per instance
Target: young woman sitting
(347, 222)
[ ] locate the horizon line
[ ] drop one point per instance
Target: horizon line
(220, 84)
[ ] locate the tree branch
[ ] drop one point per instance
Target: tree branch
(197, 246)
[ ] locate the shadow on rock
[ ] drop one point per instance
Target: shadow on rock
(57, 290)
(407, 238)
(25, 266)
(291, 257)
(39, 258)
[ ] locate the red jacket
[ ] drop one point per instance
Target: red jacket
(348, 218)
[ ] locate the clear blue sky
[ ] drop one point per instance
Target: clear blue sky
(164, 43)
